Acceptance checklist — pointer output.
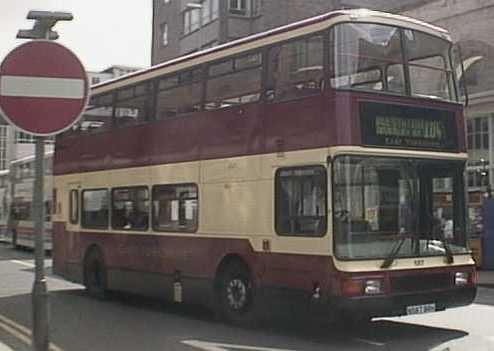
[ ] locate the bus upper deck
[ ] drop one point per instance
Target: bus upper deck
(345, 78)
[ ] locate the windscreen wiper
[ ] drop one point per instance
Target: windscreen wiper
(447, 250)
(388, 261)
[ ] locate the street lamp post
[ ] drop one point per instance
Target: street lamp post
(42, 29)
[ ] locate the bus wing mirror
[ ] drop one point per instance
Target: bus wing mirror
(459, 70)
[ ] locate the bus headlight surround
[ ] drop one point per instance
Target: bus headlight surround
(363, 286)
(461, 278)
(373, 286)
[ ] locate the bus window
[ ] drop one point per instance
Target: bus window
(301, 201)
(95, 209)
(74, 206)
(134, 105)
(360, 50)
(295, 68)
(98, 115)
(130, 208)
(234, 82)
(179, 93)
(175, 208)
(430, 70)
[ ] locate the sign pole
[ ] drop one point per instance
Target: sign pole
(40, 292)
(60, 104)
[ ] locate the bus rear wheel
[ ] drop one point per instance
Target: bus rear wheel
(95, 279)
(236, 295)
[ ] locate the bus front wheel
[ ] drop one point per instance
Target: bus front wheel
(95, 274)
(236, 295)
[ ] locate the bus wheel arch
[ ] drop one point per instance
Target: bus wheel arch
(95, 272)
(235, 292)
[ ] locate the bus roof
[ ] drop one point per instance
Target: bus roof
(251, 42)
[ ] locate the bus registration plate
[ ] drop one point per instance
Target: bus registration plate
(419, 309)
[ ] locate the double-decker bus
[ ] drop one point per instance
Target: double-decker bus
(4, 203)
(20, 225)
(319, 163)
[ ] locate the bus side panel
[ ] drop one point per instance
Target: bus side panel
(149, 264)
(66, 253)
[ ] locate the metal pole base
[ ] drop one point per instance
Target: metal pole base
(40, 316)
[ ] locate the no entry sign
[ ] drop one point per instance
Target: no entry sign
(43, 88)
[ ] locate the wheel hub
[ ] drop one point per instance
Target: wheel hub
(236, 293)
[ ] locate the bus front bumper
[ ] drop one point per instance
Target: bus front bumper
(399, 305)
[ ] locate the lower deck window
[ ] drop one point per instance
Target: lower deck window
(95, 208)
(301, 201)
(175, 208)
(130, 208)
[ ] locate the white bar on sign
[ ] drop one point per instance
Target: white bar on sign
(42, 87)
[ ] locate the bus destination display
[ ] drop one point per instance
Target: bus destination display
(407, 127)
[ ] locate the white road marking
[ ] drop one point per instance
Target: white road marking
(370, 342)
(42, 87)
(23, 263)
(21, 332)
(212, 346)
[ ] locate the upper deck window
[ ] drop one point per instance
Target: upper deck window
(223, 89)
(133, 105)
(430, 66)
(179, 93)
(381, 58)
(98, 114)
(295, 68)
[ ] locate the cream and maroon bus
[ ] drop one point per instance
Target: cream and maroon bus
(319, 163)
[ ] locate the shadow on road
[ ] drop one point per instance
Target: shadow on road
(485, 296)
(131, 323)
(7, 253)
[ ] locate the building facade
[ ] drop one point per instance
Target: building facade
(184, 26)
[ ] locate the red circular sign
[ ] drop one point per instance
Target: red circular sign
(43, 88)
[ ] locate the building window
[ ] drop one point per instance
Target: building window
(300, 202)
(478, 133)
(130, 208)
(214, 9)
(24, 138)
(244, 7)
(164, 34)
(192, 19)
(95, 209)
(95, 80)
(175, 208)
(478, 178)
(238, 7)
(209, 11)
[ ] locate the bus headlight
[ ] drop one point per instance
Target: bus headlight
(373, 286)
(461, 278)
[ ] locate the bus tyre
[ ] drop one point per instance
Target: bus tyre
(95, 279)
(236, 295)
